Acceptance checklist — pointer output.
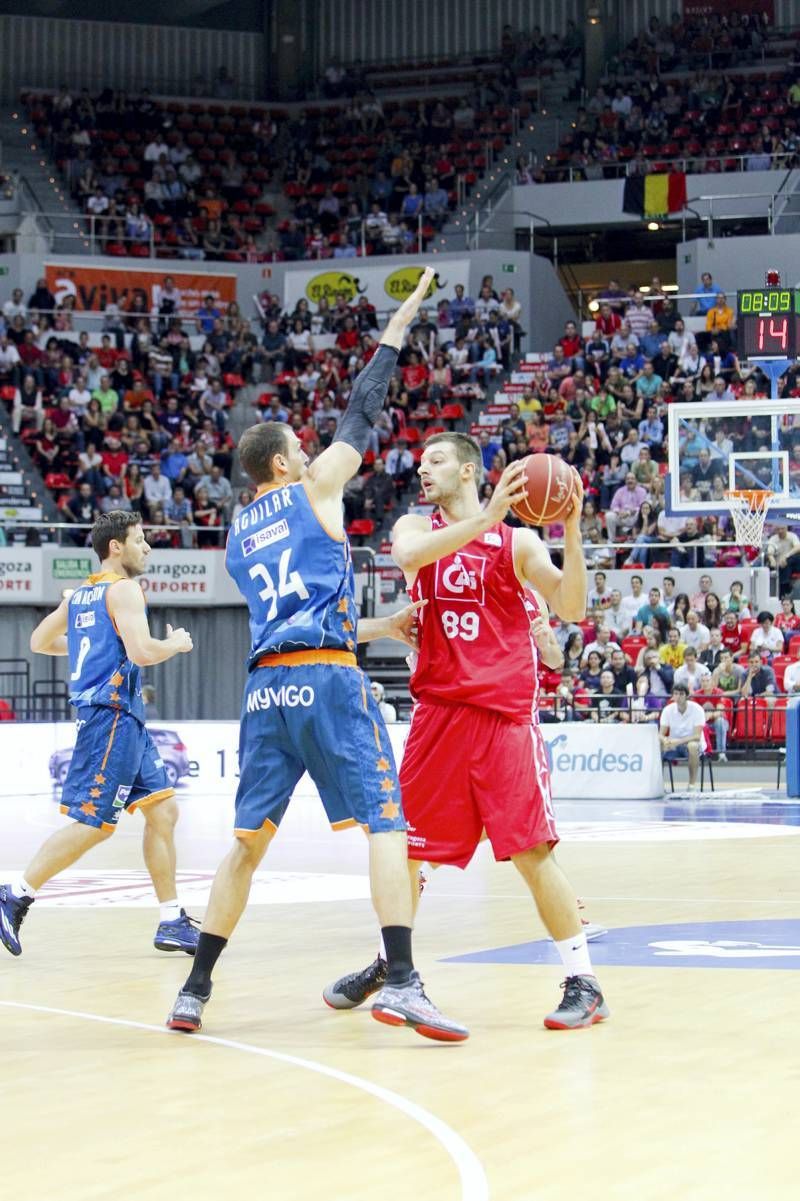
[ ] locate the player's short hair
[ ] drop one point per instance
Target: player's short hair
(466, 448)
(258, 446)
(114, 524)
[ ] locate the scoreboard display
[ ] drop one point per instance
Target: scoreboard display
(768, 321)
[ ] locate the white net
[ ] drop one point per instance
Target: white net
(749, 512)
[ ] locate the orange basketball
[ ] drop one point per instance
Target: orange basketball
(550, 484)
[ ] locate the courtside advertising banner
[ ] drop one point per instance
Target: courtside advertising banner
(384, 287)
(173, 577)
(591, 762)
(594, 761)
(94, 288)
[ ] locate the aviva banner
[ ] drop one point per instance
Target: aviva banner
(95, 287)
(384, 287)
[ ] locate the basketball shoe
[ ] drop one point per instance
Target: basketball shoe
(581, 1005)
(180, 935)
(187, 1012)
(352, 990)
(12, 914)
(407, 1005)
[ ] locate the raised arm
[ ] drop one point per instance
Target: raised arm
(415, 544)
(565, 591)
(50, 636)
(127, 608)
(329, 473)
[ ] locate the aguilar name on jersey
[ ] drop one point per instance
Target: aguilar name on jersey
(100, 671)
(475, 640)
(297, 578)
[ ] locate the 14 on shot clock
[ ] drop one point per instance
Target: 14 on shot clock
(768, 322)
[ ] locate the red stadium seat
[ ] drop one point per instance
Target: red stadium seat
(362, 527)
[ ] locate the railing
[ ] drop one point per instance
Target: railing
(691, 164)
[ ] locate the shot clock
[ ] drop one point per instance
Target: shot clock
(768, 321)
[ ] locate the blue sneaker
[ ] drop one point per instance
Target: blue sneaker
(180, 935)
(12, 915)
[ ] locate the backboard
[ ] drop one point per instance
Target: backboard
(719, 446)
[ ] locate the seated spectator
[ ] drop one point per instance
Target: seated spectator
(728, 676)
(28, 405)
(787, 621)
(602, 642)
(624, 675)
(653, 608)
(673, 650)
(694, 633)
(791, 677)
(766, 638)
(711, 656)
(157, 488)
(608, 704)
(625, 506)
(574, 650)
(681, 727)
(736, 601)
(400, 464)
(782, 548)
(711, 700)
(760, 679)
(691, 672)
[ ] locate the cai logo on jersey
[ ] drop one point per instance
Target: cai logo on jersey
(461, 581)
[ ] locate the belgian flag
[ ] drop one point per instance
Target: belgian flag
(655, 195)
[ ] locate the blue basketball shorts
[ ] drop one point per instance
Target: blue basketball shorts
(317, 717)
(115, 765)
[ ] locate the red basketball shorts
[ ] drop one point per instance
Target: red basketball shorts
(465, 770)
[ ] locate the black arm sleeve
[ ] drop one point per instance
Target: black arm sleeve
(366, 399)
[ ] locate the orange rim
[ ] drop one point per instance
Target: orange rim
(757, 497)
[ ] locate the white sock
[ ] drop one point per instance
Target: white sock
(382, 950)
(170, 911)
(574, 954)
(21, 888)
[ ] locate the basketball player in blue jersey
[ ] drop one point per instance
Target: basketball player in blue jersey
(306, 705)
(103, 629)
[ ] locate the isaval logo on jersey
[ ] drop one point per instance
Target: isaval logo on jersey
(84, 620)
(462, 580)
(272, 533)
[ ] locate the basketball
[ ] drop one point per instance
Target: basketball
(549, 484)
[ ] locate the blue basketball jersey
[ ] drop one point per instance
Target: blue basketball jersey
(297, 578)
(100, 671)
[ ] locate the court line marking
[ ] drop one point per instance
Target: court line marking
(474, 1185)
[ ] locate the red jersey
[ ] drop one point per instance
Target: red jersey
(475, 641)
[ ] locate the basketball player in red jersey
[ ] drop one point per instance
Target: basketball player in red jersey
(475, 758)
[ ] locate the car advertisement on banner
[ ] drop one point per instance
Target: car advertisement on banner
(94, 288)
(384, 287)
(587, 761)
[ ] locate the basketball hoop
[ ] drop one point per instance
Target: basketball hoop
(749, 508)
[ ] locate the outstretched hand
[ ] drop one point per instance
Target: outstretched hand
(403, 624)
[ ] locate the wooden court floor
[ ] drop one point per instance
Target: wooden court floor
(688, 1093)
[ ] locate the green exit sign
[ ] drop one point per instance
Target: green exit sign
(3, 270)
(509, 268)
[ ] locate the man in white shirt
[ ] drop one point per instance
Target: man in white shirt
(791, 677)
(681, 727)
(680, 338)
(632, 604)
(603, 643)
(694, 633)
(782, 547)
(692, 673)
(600, 592)
(614, 615)
(153, 150)
(766, 638)
(9, 359)
(79, 396)
(15, 307)
(157, 488)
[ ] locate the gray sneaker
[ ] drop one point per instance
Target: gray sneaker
(407, 1005)
(187, 1012)
(350, 991)
(581, 1005)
